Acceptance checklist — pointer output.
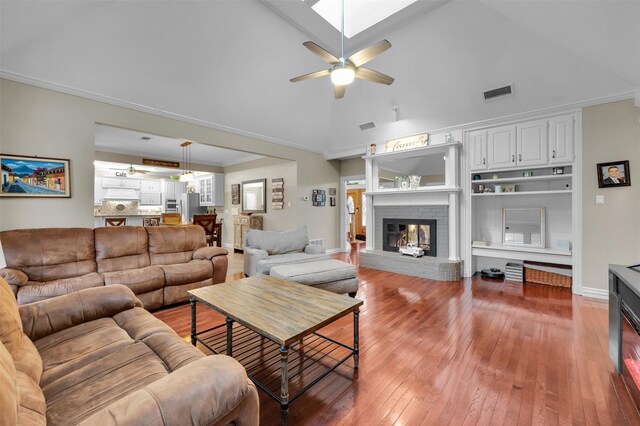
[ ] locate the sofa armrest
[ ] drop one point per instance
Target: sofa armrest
(201, 393)
(251, 258)
(313, 249)
(14, 276)
(49, 316)
(208, 253)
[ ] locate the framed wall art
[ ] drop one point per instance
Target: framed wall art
(38, 177)
(235, 193)
(613, 174)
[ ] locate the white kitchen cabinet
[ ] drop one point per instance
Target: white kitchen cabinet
(150, 186)
(561, 139)
(111, 183)
(130, 183)
(150, 198)
(501, 147)
(532, 145)
(172, 189)
(211, 189)
(98, 191)
(478, 150)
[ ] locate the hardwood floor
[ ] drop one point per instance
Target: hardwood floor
(474, 352)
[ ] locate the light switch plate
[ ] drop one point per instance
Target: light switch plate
(599, 199)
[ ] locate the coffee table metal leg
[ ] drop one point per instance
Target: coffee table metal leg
(356, 337)
(284, 383)
(193, 321)
(229, 336)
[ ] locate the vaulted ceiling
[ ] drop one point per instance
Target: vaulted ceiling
(227, 63)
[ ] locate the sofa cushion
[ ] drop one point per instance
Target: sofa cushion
(49, 254)
(28, 360)
(96, 385)
(121, 248)
(265, 265)
(185, 273)
(73, 348)
(31, 397)
(313, 273)
(37, 291)
(10, 323)
(174, 244)
(141, 280)
(14, 276)
(278, 242)
(9, 394)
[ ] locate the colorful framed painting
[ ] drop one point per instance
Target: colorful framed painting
(40, 177)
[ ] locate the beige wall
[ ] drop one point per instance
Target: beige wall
(352, 167)
(264, 168)
(36, 121)
(610, 232)
(115, 157)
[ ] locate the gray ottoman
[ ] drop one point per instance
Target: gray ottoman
(331, 275)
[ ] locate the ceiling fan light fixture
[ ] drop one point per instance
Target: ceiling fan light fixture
(341, 75)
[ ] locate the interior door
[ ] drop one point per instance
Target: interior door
(357, 225)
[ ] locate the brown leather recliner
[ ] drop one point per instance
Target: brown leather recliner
(95, 357)
(160, 264)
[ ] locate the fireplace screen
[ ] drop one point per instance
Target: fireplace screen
(400, 232)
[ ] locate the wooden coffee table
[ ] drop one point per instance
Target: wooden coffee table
(271, 329)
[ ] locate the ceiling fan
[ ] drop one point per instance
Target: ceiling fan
(132, 170)
(344, 70)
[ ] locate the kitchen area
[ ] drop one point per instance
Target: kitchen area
(134, 195)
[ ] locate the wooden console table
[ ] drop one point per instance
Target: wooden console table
(241, 224)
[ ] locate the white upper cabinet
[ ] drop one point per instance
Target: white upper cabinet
(561, 139)
(501, 147)
(131, 183)
(150, 199)
(478, 150)
(211, 189)
(172, 189)
(532, 145)
(150, 186)
(111, 183)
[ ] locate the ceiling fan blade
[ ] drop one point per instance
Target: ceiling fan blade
(375, 76)
(322, 53)
(368, 53)
(310, 75)
(339, 91)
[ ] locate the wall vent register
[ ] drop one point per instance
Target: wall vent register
(500, 91)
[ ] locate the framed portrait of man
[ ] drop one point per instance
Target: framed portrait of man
(615, 173)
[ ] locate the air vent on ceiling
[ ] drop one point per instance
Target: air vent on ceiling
(499, 92)
(367, 126)
(145, 138)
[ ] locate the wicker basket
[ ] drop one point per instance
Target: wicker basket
(548, 278)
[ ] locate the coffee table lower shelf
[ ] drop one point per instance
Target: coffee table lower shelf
(307, 362)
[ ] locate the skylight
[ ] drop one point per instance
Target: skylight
(358, 14)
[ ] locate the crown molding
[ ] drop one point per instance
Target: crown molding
(343, 154)
(8, 75)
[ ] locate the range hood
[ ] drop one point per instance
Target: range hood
(120, 194)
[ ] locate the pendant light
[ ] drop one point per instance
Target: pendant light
(187, 173)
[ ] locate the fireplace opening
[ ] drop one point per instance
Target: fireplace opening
(398, 233)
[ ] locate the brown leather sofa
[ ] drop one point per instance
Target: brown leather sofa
(158, 263)
(95, 357)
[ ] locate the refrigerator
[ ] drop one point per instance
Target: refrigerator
(190, 205)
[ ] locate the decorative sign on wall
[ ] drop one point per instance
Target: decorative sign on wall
(277, 193)
(318, 198)
(235, 193)
(410, 142)
(160, 163)
(332, 197)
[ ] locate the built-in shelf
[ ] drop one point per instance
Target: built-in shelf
(533, 254)
(499, 194)
(523, 179)
(419, 190)
(520, 168)
(442, 148)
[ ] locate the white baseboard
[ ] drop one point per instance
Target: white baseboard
(334, 250)
(596, 293)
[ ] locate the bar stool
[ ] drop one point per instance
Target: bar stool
(115, 221)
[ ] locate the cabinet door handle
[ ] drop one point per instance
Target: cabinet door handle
(483, 161)
(519, 157)
(553, 154)
(513, 158)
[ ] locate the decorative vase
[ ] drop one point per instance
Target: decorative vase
(414, 181)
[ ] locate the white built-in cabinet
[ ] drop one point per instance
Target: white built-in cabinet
(527, 144)
(172, 189)
(150, 198)
(98, 191)
(120, 183)
(211, 189)
(150, 186)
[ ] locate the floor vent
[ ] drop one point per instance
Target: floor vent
(317, 242)
(499, 92)
(367, 126)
